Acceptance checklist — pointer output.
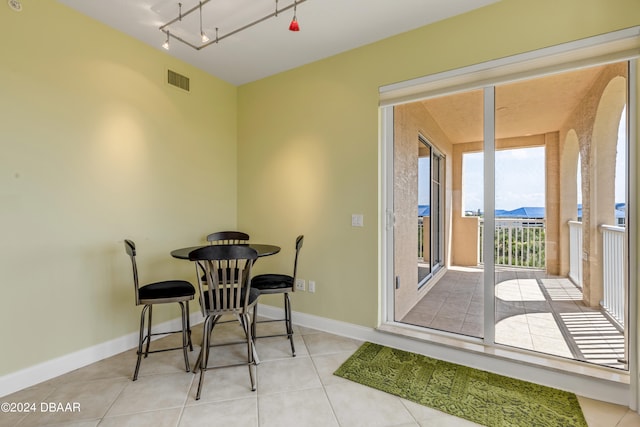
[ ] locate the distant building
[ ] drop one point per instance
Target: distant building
(526, 212)
(535, 213)
(620, 213)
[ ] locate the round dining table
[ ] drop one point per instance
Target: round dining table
(262, 249)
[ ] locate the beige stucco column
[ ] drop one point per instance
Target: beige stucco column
(568, 197)
(464, 247)
(552, 202)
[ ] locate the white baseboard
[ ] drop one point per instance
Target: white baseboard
(608, 391)
(32, 375)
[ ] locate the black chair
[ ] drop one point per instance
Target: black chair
(168, 291)
(225, 289)
(278, 284)
(228, 238)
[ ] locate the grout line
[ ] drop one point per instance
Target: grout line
(322, 384)
(113, 402)
(258, 421)
(409, 410)
(324, 390)
(186, 398)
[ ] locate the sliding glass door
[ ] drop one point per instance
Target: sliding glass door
(520, 194)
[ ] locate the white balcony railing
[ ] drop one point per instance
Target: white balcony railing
(613, 252)
(575, 252)
(613, 260)
(518, 242)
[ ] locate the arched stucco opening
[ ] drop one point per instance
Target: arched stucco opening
(569, 158)
(598, 179)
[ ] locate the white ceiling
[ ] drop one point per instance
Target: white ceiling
(327, 27)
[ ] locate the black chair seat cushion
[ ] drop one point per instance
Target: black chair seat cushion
(253, 295)
(167, 289)
(272, 281)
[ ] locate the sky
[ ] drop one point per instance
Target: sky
(520, 176)
(519, 179)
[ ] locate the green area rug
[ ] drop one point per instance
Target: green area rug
(478, 396)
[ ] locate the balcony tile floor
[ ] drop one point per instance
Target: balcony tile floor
(298, 391)
(534, 311)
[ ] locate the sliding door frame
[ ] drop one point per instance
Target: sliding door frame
(618, 46)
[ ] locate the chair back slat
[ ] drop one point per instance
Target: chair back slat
(228, 238)
(225, 284)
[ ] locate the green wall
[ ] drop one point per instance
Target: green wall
(96, 147)
(308, 138)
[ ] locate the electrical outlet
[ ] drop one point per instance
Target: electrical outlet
(299, 284)
(312, 286)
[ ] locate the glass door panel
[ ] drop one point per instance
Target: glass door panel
(560, 198)
(429, 197)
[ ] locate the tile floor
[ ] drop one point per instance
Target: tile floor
(534, 311)
(300, 391)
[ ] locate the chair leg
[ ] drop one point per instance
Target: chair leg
(248, 325)
(250, 350)
(204, 353)
(197, 364)
(146, 353)
(185, 342)
(140, 341)
(213, 324)
(289, 325)
(254, 326)
(189, 327)
(204, 332)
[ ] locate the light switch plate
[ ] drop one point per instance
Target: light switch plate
(357, 220)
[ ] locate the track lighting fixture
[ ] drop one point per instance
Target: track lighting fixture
(203, 40)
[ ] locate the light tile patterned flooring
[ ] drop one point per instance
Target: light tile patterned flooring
(300, 391)
(534, 311)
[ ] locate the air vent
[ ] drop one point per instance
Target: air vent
(178, 80)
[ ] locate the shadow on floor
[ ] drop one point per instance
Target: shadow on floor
(534, 311)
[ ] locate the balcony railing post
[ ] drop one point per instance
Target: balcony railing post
(613, 271)
(480, 234)
(575, 252)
